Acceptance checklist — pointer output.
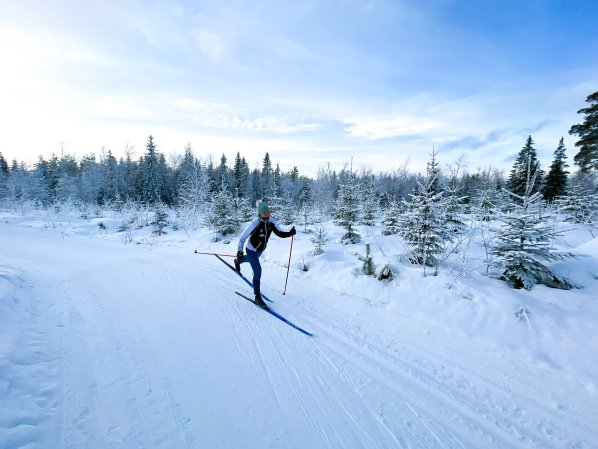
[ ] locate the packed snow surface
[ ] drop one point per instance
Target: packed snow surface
(126, 340)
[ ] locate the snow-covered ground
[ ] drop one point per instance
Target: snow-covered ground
(123, 340)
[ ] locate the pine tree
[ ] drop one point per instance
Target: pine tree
(524, 243)
(526, 165)
(587, 157)
(556, 180)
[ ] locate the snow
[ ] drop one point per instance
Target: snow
(127, 340)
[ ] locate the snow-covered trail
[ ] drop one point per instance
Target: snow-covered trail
(148, 347)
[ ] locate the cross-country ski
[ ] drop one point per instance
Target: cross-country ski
(273, 313)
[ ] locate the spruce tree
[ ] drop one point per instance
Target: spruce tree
(319, 240)
(110, 189)
(484, 207)
(256, 188)
(267, 178)
(277, 180)
(347, 207)
(91, 179)
(186, 167)
(4, 174)
(68, 174)
(370, 201)
(222, 216)
(286, 211)
(455, 200)
(580, 203)
(167, 194)
(152, 180)
(222, 174)
(392, 219)
(159, 222)
(422, 225)
(193, 193)
(294, 174)
(304, 194)
(523, 243)
(587, 157)
(3, 166)
(433, 173)
(129, 173)
(556, 180)
(241, 176)
(526, 165)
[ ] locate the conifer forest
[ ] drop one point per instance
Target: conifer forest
(433, 212)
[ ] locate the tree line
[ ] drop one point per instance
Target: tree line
(426, 209)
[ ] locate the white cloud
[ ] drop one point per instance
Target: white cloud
(381, 127)
(235, 118)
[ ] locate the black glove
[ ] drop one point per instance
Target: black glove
(293, 231)
(239, 255)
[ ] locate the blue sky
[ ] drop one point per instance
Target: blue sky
(311, 82)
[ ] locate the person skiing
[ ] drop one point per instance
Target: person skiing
(258, 232)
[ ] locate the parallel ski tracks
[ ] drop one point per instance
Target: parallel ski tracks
(438, 400)
(430, 382)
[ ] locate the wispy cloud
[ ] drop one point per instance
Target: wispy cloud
(380, 127)
(228, 117)
(382, 80)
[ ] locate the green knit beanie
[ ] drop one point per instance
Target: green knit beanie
(263, 207)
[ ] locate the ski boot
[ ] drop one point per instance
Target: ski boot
(260, 302)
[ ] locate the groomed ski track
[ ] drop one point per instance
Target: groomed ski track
(149, 347)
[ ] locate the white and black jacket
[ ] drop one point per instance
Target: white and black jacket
(259, 232)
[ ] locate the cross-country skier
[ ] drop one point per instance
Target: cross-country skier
(258, 232)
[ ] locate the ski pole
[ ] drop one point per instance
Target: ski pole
(289, 266)
(214, 254)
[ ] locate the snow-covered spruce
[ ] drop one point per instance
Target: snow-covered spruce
(524, 245)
